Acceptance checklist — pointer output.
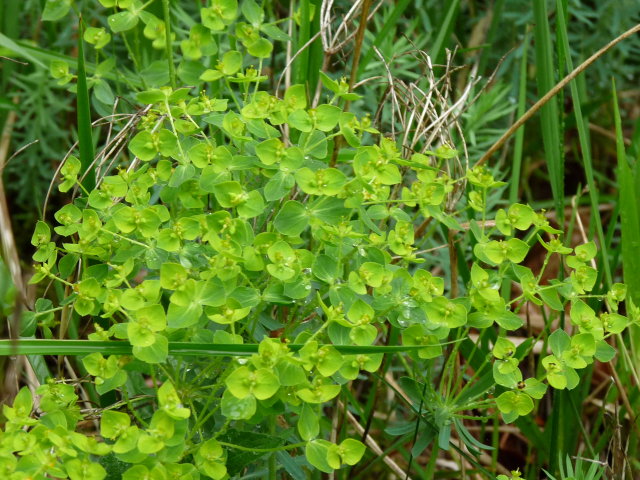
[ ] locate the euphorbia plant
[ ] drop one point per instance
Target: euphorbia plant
(236, 228)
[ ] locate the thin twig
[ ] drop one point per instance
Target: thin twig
(554, 91)
(373, 445)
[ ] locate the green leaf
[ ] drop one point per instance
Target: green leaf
(261, 383)
(559, 375)
(231, 62)
(586, 252)
(292, 219)
(122, 21)
(229, 194)
(144, 146)
(113, 424)
(84, 470)
(23, 403)
(274, 32)
(98, 366)
(329, 83)
(308, 423)
(614, 322)
(296, 97)
(154, 353)
(551, 298)
(183, 316)
(325, 268)
(41, 235)
(507, 319)
(419, 335)
(172, 276)
(237, 409)
(516, 250)
(445, 313)
(261, 48)
(363, 334)
(300, 120)
(604, 352)
(252, 12)
(127, 440)
(517, 402)
(503, 348)
(98, 37)
(252, 206)
(317, 452)
(55, 10)
(106, 385)
(209, 459)
(220, 14)
(328, 181)
(360, 313)
(278, 186)
(326, 117)
(559, 341)
(510, 379)
(534, 388)
(351, 451)
(270, 151)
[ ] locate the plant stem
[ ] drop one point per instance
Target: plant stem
(291, 446)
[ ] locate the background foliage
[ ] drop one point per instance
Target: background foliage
(565, 158)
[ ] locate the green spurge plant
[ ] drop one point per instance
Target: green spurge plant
(234, 227)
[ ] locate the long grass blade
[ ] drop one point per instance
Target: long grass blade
(6, 42)
(629, 214)
(42, 57)
(301, 65)
(85, 139)
(444, 32)
(84, 347)
(549, 113)
(583, 136)
(519, 141)
(628, 180)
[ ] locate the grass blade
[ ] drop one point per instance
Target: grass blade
(301, 65)
(519, 141)
(85, 139)
(6, 42)
(84, 347)
(549, 113)
(444, 32)
(629, 214)
(583, 137)
(628, 180)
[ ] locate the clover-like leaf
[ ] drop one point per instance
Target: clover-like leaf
(219, 14)
(261, 383)
(444, 312)
(113, 424)
(518, 402)
(210, 459)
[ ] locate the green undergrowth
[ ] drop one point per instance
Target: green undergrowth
(257, 263)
